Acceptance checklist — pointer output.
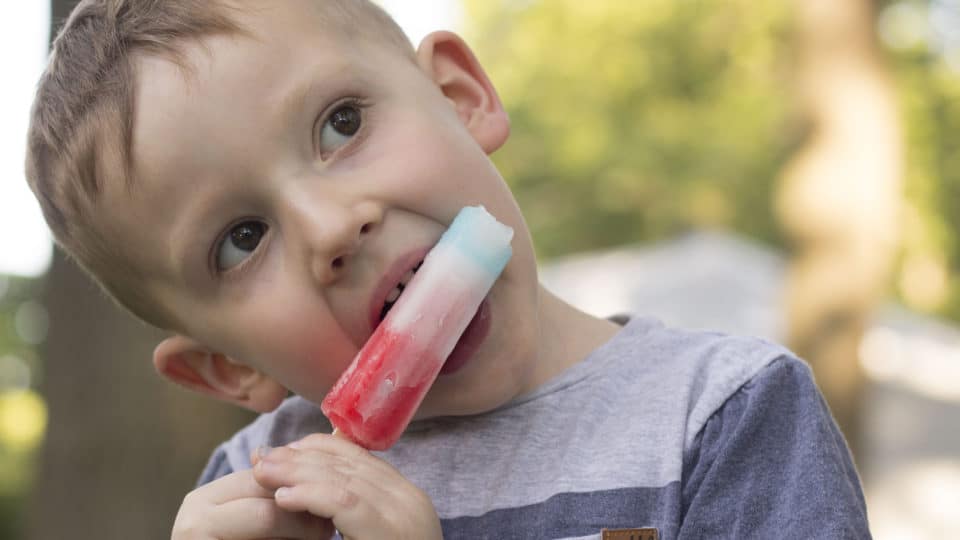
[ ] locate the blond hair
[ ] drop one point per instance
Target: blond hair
(81, 124)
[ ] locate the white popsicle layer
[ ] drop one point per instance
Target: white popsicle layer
(378, 394)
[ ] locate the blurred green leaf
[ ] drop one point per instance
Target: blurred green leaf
(634, 120)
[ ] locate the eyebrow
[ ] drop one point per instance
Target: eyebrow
(297, 100)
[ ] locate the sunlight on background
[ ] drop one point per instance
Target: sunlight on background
(920, 500)
(921, 363)
(23, 416)
(420, 17)
(27, 250)
(915, 24)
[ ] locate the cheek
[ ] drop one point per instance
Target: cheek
(436, 169)
(303, 349)
(418, 140)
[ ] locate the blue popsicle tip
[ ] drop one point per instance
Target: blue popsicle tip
(478, 234)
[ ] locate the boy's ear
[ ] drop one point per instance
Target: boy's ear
(451, 64)
(190, 364)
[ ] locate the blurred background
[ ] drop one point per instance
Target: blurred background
(787, 168)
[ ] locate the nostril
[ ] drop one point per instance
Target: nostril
(337, 263)
(365, 228)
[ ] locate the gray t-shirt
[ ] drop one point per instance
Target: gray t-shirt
(695, 434)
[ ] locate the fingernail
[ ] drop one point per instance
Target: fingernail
(296, 445)
(262, 451)
(282, 493)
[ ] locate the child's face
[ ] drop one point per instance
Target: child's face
(284, 187)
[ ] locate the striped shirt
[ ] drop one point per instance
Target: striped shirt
(695, 434)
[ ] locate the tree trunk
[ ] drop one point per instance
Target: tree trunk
(840, 196)
(122, 447)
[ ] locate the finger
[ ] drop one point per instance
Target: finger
(257, 454)
(356, 497)
(340, 502)
(336, 443)
(287, 467)
(302, 468)
(328, 488)
(250, 519)
(339, 445)
(359, 515)
(237, 485)
(265, 519)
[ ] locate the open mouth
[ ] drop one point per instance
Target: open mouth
(397, 291)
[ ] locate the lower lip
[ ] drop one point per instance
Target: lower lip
(470, 341)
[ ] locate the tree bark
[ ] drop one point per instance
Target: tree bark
(840, 196)
(122, 446)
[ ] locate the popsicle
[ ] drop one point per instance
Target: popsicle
(378, 394)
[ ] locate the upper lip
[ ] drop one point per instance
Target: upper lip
(395, 272)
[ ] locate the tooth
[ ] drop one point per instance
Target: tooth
(407, 277)
(394, 294)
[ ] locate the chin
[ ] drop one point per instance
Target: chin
(463, 405)
(475, 393)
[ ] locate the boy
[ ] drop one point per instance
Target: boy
(258, 178)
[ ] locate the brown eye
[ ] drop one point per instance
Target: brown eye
(345, 120)
(342, 124)
(239, 243)
(246, 236)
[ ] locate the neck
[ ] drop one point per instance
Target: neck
(567, 335)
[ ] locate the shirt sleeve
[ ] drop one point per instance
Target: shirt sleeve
(771, 463)
(217, 466)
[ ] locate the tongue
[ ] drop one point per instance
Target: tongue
(470, 341)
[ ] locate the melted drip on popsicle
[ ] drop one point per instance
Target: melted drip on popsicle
(376, 428)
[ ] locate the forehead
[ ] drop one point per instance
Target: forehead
(231, 84)
(277, 49)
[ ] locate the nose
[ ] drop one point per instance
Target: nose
(331, 232)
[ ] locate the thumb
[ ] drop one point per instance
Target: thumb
(257, 454)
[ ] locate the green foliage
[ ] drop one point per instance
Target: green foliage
(633, 120)
(929, 90)
(17, 471)
(14, 292)
(16, 462)
(11, 510)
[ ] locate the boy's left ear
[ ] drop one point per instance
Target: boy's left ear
(447, 59)
(196, 367)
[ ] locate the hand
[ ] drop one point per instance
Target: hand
(364, 496)
(236, 507)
